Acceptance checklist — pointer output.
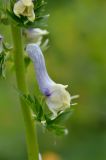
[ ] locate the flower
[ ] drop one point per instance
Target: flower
(34, 35)
(57, 97)
(24, 8)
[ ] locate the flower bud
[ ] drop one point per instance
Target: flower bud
(24, 8)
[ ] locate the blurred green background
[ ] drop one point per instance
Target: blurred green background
(77, 57)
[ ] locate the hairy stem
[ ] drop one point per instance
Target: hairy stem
(31, 136)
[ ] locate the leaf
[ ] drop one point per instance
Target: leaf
(2, 64)
(13, 18)
(40, 22)
(63, 117)
(38, 107)
(35, 105)
(27, 61)
(12, 3)
(6, 47)
(40, 9)
(38, 3)
(57, 129)
(3, 17)
(48, 120)
(54, 125)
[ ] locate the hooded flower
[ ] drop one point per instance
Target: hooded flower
(24, 8)
(34, 35)
(57, 97)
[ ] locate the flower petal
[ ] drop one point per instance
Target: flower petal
(18, 8)
(27, 2)
(59, 99)
(42, 76)
(31, 14)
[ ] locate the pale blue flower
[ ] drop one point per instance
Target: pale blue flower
(57, 97)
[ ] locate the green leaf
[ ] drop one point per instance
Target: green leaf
(48, 120)
(12, 2)
(40, 22)
(38, 108)
(27, 61)
(63, 117)
(40, 9)
(2, 64)
(35, 105)
(57, 129)
(54, 125)
(6, 47)
(38, 3)
(3, 17)
(14, 19)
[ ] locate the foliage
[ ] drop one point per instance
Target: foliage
(5, 49)
(55, 125)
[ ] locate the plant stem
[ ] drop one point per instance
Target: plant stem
(31, 136)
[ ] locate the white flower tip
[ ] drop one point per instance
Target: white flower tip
(65, 86)
(66, 131)
(74, 97)
(39, 31)
(43, 123)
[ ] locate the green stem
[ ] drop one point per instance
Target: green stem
(31, 136)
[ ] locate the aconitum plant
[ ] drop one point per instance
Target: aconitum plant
(27, 18)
